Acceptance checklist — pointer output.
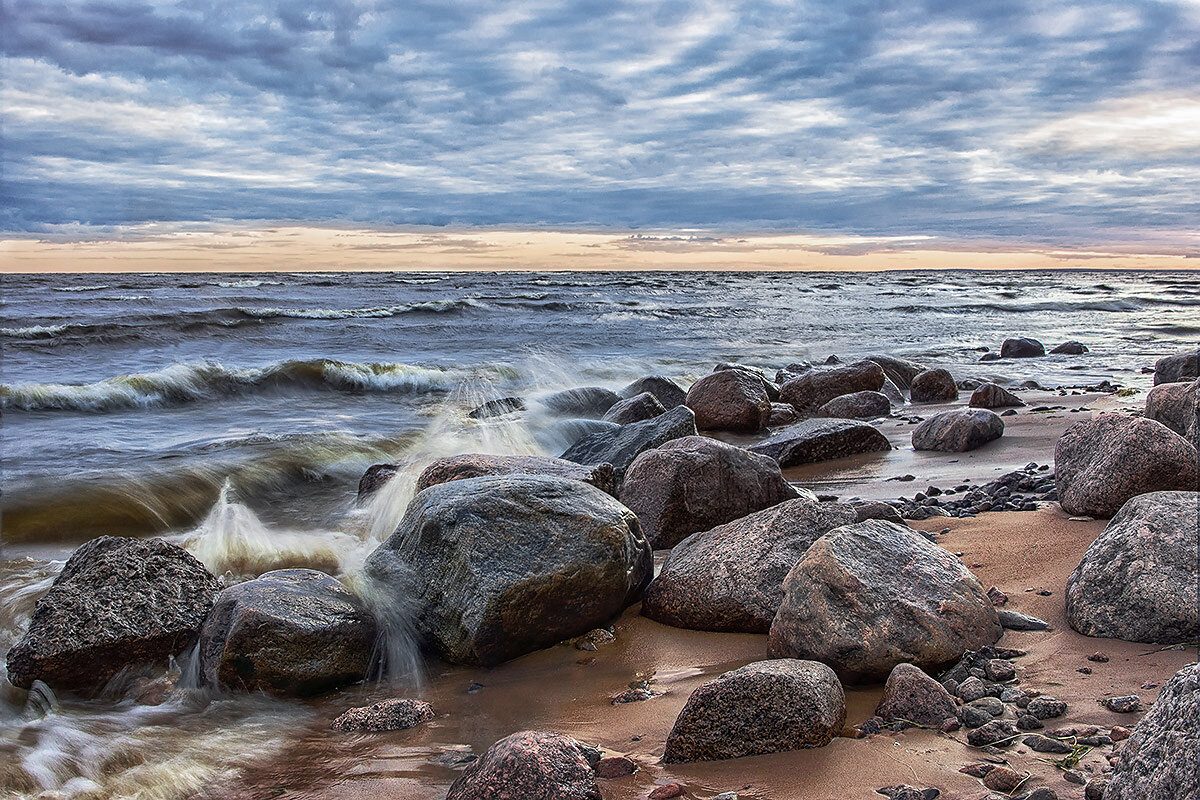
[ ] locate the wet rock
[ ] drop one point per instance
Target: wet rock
(781, 414)
(958, 431)
(476, 465)
(375, 478)
(1161, 760)
(669, 393)
(1071, 348)
(497, 408)
(1102, 462)
(1022, 348)
(1137, 581)
(730, 578)
(531, 765)
(912, 696)
(621, 445)
(1125, 704)
(499, 566)
(990, 357)
(859, 405)
(730, 400)
(899, 371)
(1174, 405)
(934, 386)
(390, 715)
(666, 792)
(764, 707)
(1181, 367)
(821, 440)
(817, 387)
(117, 602)
(989, 395)
(695, 483)
(289, 632)
(634, 409)
(615, 767)
(583, 401)
(1016, 621)
(561, 434)
(849, 604)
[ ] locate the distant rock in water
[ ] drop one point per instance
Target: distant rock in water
(990, 357)
(375, 478)
(390, 715)
(695, 483)
(634, 409)
(730, 400)
(817, 387)
(1022, 348)
(289, 632)
(621, 444)
(665, 390)
(989, 395)
(476, 465)
(850, 604)
(934, 386)
(1175, 405)
(1140, 578)
(958, 431)
(821, 440)
(1071, 348)
(1104, 461)
(899, 371)
(584, 401)
(1181, 367)
(497, 408)
(1161, 759)
(859, 405)
(764, 707)
(118, 602)
(531, 765)
(499, 566)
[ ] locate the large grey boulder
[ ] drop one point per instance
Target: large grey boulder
(695, 483)
(666, 391)
(288, 632)
(582, 401)
(958, 431)
(730, 400)
(1175, 405)
(1022, 348)
(859, 405)
(1102, 462)
(934, 386)
(634, 409)
(499, 566)
(476, 465)
(531, 765)
(899, 371)
(1181, 367)
(1161, 759)
(118, 602)
(869, 596)
(1139, 580)
(821, 439)
(619, 446)
(730, 578)
(989, 395)
(817, 387)
(764, 707)
(912, 696)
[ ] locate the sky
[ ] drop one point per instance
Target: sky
(485, 134)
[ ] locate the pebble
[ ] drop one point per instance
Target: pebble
(1098, 657)
(1126, 704)
(1074, 776)
(1046, 707)
(1028, 722)
(615, 767)
(666, 792)
(1003, 779)
(1119, 733)
(1044, 744)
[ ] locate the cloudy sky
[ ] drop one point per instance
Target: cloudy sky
(1062, 127)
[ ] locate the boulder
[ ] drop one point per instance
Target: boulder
(1161, 759)
(562, 433)
(619, 446)
(730, 400)
(1071, 348)
(1138, 581)
(476, 465)
(934, 386)
(288, 632)
(872, 595)
(497, 408)
(117, 602)
(821, 439)
(817, 387)
(1022, 348)
(666, 391)
(1181, 367)
(781, 414)
(989, 395)
(634, 409)
(531, 765)
(912, 696)
(730, 578)
(583, 401)
(390, 715)
(1102, 462)
(958, 431)
(859, 405)
(990, 357)
(769, 386)
(1175, 405)
(899, 371)
(499, 566)
(695, 483)
(764, 707)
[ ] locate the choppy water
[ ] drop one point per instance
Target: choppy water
(131, 401)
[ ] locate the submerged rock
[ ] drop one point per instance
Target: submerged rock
(764, 707)
(958, 431)
(989, 395)
(1102, 462)
(531, 765)
(476, 465)
(730, 400)
(1161, 759)
(619, 446)
(634, 409)
(694, 483)
(583, 401)
(1022, 348)
(669, 393)
(1139, 580)
(934, 386)
(869, 596)
(375, 478)
(730, 578)
(817, 387)
(912, 696)
(499, 566)
(821, 440)
(859, 405)
(289, 632)
(117, 602)
(497, 408)
(1071, 348)
(1181, 367)
(390, 715)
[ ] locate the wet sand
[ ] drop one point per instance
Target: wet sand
(567, 690)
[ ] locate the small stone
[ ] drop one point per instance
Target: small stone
(666, 792)
(992, 705)
(906, 792)
(615, 767)
(1003, 779)
(997, 597)
(1028, 722)
(1094, 790)
(996, 732)
(999, 669)
(1126, 704)
(1084, 670)
(1074, 776)
(1098, 657)
(1014, 621)
(973, 716)
(726, 796)
(1119, 733)
(1044, 744)
(977, 770)
(1047, 707)
(390, 715)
